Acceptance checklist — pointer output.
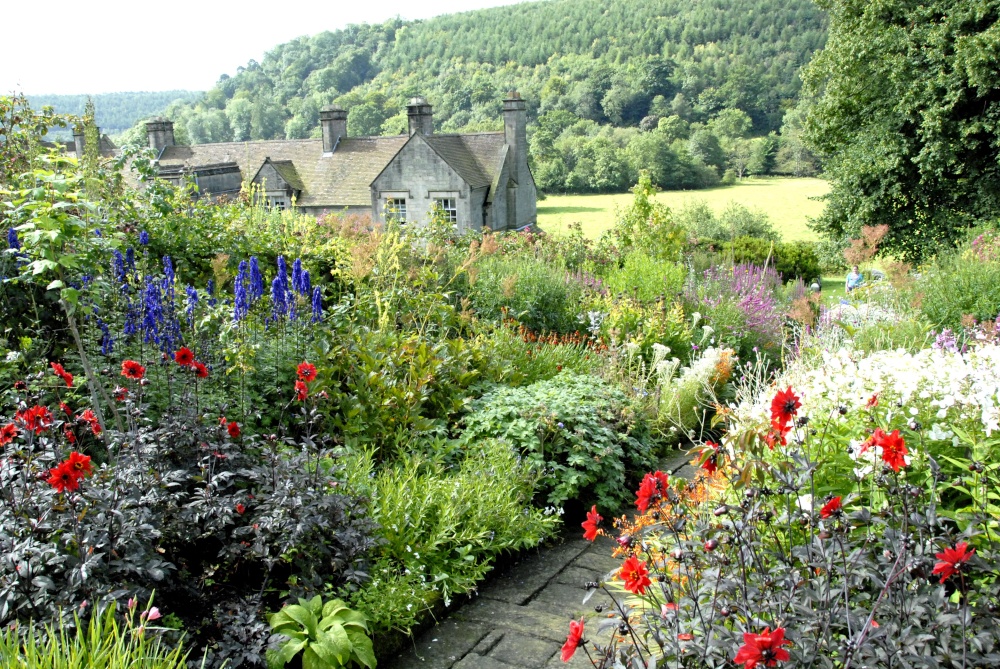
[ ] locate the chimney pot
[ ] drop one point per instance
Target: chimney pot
(420, 116)
(333, 120)
(160, 133)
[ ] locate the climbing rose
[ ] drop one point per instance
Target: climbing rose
(62, 374)
(38, 419)
(133, 370)
(307, 372)
(233, 429)
(893, 448)
(62, 478)
(573, 639)
(184, 357)
(301, 391)
(784, 406)
(951, 560)
(590, 525)
(200, 370)
(763, 649)
(831, 508)
(635, 575)
(653, 487)
(7, 433)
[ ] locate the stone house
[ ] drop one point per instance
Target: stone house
(475, 179)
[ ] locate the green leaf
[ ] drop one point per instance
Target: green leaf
(290, 650)
(54, 285)
(363, 650)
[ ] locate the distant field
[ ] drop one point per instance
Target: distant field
(789, 203)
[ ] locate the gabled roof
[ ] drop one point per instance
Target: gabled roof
(473, 156)
(286, 170)
(340, 179)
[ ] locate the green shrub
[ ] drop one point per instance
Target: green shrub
(798, 260)
(102, 643)
(579, 431)
(736, 220)
(533, 292)
(792, 260)
(328, 636)
(645, 278)
(959, 285)
(502, 355)
(441, 529)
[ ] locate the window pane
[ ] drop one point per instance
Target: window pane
(395, 209)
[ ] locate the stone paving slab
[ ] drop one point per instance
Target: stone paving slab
(521, 583)
(521, 617)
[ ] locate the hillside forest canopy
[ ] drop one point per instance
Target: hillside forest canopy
(689, 91)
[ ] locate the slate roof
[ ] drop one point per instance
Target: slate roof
(338, 180)
(108, 148)
(473, 156)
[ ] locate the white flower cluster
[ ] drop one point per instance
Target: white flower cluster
(939, 385)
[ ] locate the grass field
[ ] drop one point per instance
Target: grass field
(788, 202)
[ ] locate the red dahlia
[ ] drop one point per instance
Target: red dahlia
(893, 448)
(306, 372)
(233, 429)
(831, 508)
(951, 560)
(764, 649)
(573, 639)
(778, 434)
(652, 488)
(62, 478)
(89, 418)
(636, 576)
(79, 464)
(62, 374)
(38, 419)
(7, 433)
(184, 357)
(590, 525)
(301, 391)
(784, 406)
(711, 462)
(200, 370)
(133, 370)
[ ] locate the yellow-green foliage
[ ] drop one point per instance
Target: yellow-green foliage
(103, 643)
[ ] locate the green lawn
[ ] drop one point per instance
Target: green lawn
(789, 202)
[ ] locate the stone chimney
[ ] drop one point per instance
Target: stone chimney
(421, 117)
(160, 133)
(333, 120)
(515, 131)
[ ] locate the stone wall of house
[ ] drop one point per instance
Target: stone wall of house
(420, 173)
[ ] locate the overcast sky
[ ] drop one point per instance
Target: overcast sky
(103, 46)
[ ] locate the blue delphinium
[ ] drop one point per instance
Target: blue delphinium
(306, 283)
(130, 260)
(297, 275)
(279, 305)
(256, 281)
(152, 312)
(97, 232)
(317, 305)
(131, 326)
(283, 273)
(241, 304)
(107, 342)
(210, 289)
(192, 302)
(144, 238)
(12, 240)
(118, 266)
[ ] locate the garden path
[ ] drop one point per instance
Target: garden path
(521, 616)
